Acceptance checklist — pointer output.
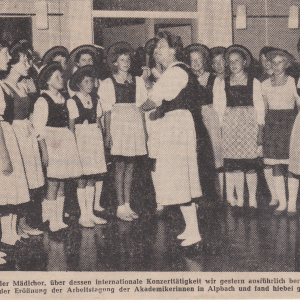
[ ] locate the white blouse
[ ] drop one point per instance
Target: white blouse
(40, 112)
(280, 97)
(169, 85)
(106, 93)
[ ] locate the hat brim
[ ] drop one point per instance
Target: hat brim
(86, 70)
(74, 52)
(46, 72)
(197, 48)
(242, 49)
(51, 53)
(114, 49)
(217, 50)
(280, 52)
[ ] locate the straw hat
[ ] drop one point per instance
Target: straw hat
(84, 71)
(280, 52)
(196, 48)
(46, 72)
(51, 53)
(239, 48)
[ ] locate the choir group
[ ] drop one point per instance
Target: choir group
(60, 116)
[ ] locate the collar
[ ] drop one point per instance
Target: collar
(59, 99)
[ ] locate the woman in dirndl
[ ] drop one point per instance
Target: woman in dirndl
(177, 176)
(25, 134)
(280, 150)
(51, 120)
(84, 115)
(14, 188)
(242, 127)
(121, 96)
(200, 58)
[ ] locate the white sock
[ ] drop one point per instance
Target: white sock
(81, 202)
(98, 192)
(239, 185)
(221, 182)
(280, 191)
(89, 194)
(293, 185)
(270, 181)
(230, 187)
(252, 187)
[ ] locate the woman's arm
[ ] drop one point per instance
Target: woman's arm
(43, 147)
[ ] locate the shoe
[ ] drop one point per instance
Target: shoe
(159, 207)
(2, 261)
(87, 223)
(2, 254)
(99, 208)
(123, 214)
(33, 231)
(97, 220)
(274, 202)
(190, 241)
(133, 214)
(182, 236)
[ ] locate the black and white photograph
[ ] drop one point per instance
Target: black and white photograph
(149, 149)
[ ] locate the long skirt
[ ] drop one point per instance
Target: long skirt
(176, 173)
(14, 188)
(64, 161)
(30, 153)
(127, 130)
(212, 123)
(294, 153)
(277, 136)
(91, 149)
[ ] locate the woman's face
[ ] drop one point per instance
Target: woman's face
(266, 64)
(22, 66)
(4, 59)
(85, 60)
(123, 63)
(164, 52)
(279, 64)
(56, 81)
(86, 85)
(218, 64)
(236, 63)
(197, 61)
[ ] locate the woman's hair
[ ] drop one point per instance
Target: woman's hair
(116, 55)
(80, 78)
(3, 44)
(46, 73)
(173, 41)
(84, 51)
(265, 50)
(16, 51)
(241, 53)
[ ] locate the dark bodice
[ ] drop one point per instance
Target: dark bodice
(125, 93)
(85, 113)
(8, 115)
(58, 115)
(239, 95)
(23, 106)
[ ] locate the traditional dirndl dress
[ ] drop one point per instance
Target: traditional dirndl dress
(240, 127)
(27, 140)
(175, 148)
(89, 139)
(127, 127)
(279, 122)
(211, 121)
(14, 188)
(64, 161)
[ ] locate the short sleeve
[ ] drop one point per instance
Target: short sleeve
(258, 102)
(169, 85)
(106, 93)
(73, 109)
(99, 109)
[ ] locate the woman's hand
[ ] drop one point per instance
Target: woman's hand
(7, 167)
(146, 72)
(45, 159)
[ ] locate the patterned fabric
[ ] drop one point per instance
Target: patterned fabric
(240, 131)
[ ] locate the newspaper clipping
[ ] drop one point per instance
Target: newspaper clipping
(149, 149)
